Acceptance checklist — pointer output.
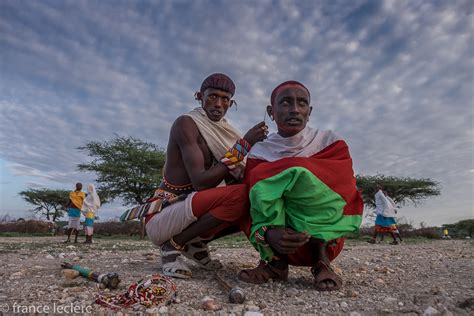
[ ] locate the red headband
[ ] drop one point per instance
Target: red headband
(285, 85)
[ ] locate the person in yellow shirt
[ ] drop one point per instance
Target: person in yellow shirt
(76, 199)
(446, 234)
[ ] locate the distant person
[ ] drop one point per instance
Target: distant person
(76, 199)
(385, 222)
(446, 234)
(89, 208)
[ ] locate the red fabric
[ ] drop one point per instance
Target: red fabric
(382, 229)
(332, 165)
(227, 203)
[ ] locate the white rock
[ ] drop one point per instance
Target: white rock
(355, 314)
(154, 310)
(344, 305)
(163, 310)
(48, 256)
(253, 308)
(251, 313)
(430, 311)
(389, 300)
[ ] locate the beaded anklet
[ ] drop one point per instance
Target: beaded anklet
(175, 245)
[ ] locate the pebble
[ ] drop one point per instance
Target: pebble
(154, 310)
(70, 274)
(389, 300)
(352, 293)
(252, 313)
(253, 308)
(344, 305)
(209, 304)
(430, 311)
(379, 281)
(163, 310)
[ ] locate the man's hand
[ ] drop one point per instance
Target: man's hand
(285, 240)
(257, 133)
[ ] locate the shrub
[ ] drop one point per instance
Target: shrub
(130, 228)
(28, 227)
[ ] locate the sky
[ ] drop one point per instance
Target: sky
(392, 78)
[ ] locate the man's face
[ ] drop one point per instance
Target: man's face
(291, 111)
(216, 103)
(78, 186)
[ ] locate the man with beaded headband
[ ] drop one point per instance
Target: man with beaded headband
(204, 152)
(302, 191)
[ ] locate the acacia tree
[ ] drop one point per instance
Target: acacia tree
(401, 190)
(126, 168)
(49, 203)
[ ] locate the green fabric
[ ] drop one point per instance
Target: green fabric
(296, 198)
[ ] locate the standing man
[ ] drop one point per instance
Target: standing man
(303, 195)
(76, 199)
(204, 151)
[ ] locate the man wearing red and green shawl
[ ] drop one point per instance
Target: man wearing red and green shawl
(302, 192)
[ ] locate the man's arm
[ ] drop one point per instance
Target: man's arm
(186, 135)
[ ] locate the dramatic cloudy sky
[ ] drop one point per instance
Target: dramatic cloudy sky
(394, 78)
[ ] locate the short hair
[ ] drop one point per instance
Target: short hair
(218, 81)
(280, 87)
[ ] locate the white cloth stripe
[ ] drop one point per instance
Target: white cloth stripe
(304, 144)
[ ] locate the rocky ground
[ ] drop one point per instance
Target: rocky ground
(418, 277)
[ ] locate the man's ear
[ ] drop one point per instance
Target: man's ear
(198, 96)
(270, 111)
(310, 110)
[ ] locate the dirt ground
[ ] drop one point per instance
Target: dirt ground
(414, 278)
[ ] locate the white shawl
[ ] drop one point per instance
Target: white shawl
(384, 205)
(306, 143)
(220, 136)
(92, 201)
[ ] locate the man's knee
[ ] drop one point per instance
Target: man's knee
(238, 197)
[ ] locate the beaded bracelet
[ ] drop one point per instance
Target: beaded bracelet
(236, 154)
(260, 235)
